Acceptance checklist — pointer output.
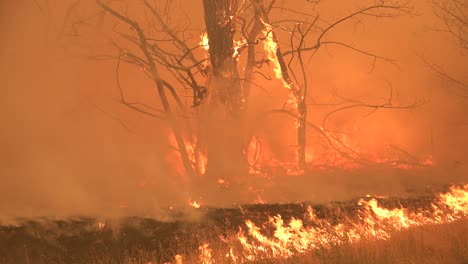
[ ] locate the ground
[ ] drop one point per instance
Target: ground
(146, 240)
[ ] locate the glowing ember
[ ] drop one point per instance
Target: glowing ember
(223, 183)
(101, 225)
(195, 204)
(178, 259)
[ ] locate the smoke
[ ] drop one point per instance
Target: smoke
(68, 149)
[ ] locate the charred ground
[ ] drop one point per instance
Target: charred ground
(142, 240)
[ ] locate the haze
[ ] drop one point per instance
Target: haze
(67, 148)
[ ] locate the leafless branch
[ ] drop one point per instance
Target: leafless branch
(463, 86)
(367, 11)
(160, 83)
(353, 103)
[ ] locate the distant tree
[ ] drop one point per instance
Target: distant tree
(453, 14)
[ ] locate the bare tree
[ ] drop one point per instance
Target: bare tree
(454, 17)
(300, 32)
(148, 64)
(220, 90)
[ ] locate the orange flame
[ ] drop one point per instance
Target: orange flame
(377, 223)
(178, 259)
(238, 45)
(198, 159)
(204, 42)
(195, 204)
(205, 254)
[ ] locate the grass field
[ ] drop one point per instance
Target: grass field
(442, 244)
(435, 244)
(424, 229)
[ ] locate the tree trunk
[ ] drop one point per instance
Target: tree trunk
(301, 133)
(219, 25)
(252, 38)
(222, 117)
(293, 87)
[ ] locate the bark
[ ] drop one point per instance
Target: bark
(222, 120)
(252, 41)
(219, 25)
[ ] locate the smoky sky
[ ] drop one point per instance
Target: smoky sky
(68, 148)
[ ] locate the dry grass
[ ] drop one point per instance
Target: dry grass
(442, 244)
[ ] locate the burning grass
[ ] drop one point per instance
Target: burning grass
(365, 230)
(446, 243)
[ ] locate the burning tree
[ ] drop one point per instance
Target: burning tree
(242, 44)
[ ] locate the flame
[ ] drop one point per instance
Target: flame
(178, 259)
(205, 254)
(297, 236)
(253, 156)
(231, 255)
(195, 204)
(331, 151)
(238, 45)
(101, 226)
(271, 48)
(198, 159)
(204, 42)
(376, 223)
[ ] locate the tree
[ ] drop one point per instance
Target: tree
(454, 17)
(223, 114)
(214, 125)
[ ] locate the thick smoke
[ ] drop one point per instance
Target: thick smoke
(68, 149)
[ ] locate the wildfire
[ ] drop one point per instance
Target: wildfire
(331, 151)
(375, 223)
(280, 239)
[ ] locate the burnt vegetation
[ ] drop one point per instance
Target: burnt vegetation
(141, 240)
